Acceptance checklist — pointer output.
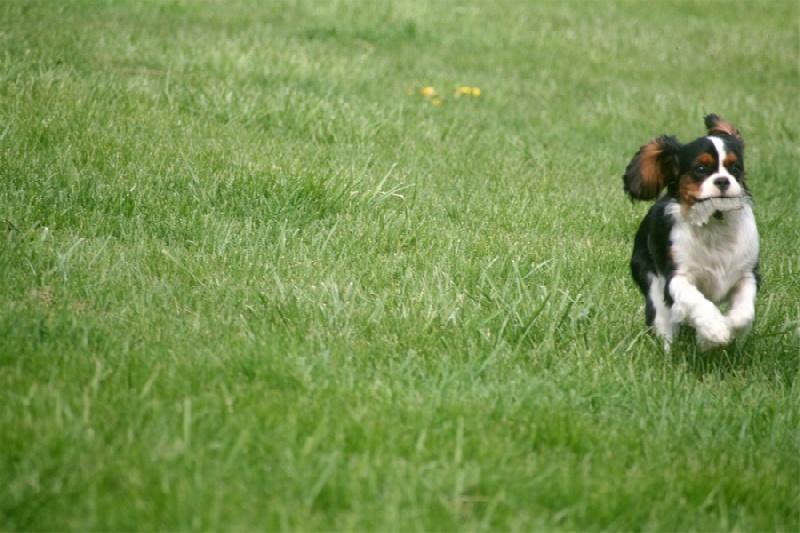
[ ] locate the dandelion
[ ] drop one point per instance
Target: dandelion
(468, 91)
(432, 95)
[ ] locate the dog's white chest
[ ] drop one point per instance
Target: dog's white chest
(716, 255)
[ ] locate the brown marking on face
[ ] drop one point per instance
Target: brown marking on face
(689, 184)
(688, 190)
(730, 158)
(705, 159)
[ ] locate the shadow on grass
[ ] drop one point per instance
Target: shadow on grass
(773, 356)
(719, 362)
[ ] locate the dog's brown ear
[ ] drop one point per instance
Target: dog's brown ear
(653, 167)
(719, 126)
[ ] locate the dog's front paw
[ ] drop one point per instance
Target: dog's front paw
(740, 324)
(713, 333)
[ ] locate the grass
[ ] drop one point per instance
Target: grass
(253, 279)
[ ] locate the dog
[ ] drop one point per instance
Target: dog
(697, 248)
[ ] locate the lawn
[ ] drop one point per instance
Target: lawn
(266, 267)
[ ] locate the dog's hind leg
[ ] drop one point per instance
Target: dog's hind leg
(659, 314)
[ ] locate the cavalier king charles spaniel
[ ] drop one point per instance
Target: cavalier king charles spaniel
(697, 247)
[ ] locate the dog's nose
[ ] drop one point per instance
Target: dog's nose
(722, 184)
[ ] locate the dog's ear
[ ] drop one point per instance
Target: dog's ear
(719, 126)
(653, 167)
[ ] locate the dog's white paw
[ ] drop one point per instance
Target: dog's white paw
(740, 324)
(713, 332)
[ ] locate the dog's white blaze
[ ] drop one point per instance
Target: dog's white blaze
(721, 153)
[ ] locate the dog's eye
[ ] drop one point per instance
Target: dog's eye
(735, 169)
(700, 171)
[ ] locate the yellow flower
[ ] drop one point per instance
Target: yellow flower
(436, 101)
(428, 91)
(468, 91)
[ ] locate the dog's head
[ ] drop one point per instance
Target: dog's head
(708, 169)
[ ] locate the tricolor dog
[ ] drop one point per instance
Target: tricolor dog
(697, 247)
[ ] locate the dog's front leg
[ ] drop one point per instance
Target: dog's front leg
(742, 312)
(689, 305)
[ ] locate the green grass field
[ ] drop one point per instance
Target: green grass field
(254, 279)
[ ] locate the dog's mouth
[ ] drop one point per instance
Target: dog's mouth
(714, 206)
(722, 198)
(719, 203)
